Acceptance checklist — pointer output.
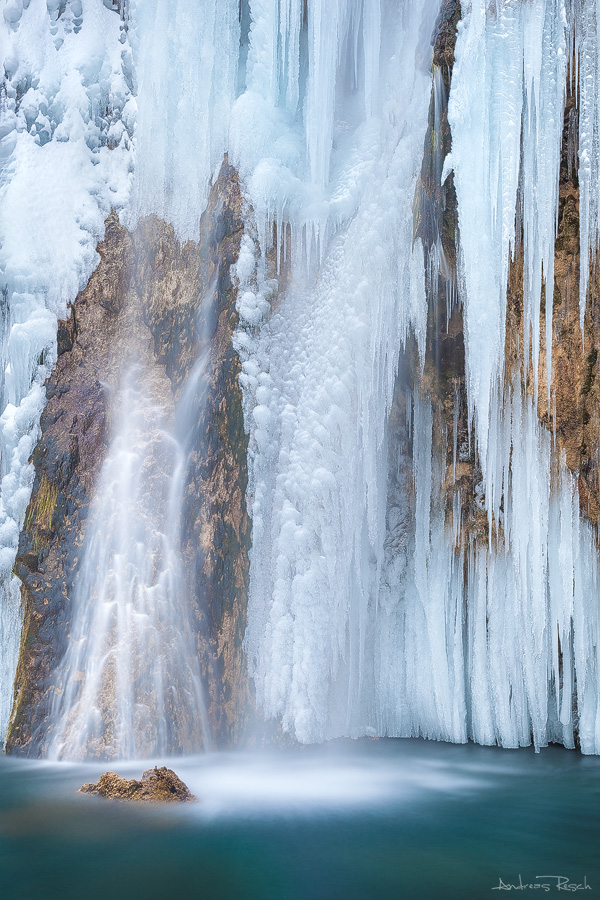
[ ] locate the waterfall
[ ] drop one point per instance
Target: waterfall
(420, 561)
(129, 685)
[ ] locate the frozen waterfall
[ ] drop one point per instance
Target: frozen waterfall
(368, 612)
(374, 608)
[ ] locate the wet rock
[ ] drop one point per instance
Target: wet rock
(156, 786)
(164, 304)
(444, 40)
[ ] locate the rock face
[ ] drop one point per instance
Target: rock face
(166, 305)
(156, 786)
(443, 381)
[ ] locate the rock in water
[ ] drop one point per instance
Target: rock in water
(157, 786)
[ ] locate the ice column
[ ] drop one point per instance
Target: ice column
(186, 70)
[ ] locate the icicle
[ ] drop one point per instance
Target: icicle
(587, 44)
(455, 433)
(297, 136)
(545, 48)
(372, 40)
(508, 89)
(485, 110)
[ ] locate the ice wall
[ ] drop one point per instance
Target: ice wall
(491, 641)
(508, 96)
(369, 611)
(319, 378)
(66, 114)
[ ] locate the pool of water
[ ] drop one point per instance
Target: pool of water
(356, 821)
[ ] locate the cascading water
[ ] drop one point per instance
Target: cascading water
(371, 608)
(129, 685)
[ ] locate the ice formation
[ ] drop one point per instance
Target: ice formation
(321, 376)
(367, 615)
(66, 116)
(493, 656)
(586, 18)
(507, 98)
(186, 75)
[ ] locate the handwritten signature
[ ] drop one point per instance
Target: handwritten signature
(544, 883)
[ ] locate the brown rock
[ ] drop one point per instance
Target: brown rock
(166, 304)
(156, 786)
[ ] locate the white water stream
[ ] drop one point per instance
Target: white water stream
(129, 684)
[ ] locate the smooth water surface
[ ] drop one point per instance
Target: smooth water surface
(354, 821)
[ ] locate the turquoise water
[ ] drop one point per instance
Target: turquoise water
(356, 821)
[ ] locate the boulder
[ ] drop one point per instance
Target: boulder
(156, 786)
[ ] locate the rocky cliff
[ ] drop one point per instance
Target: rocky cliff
(165, 305)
